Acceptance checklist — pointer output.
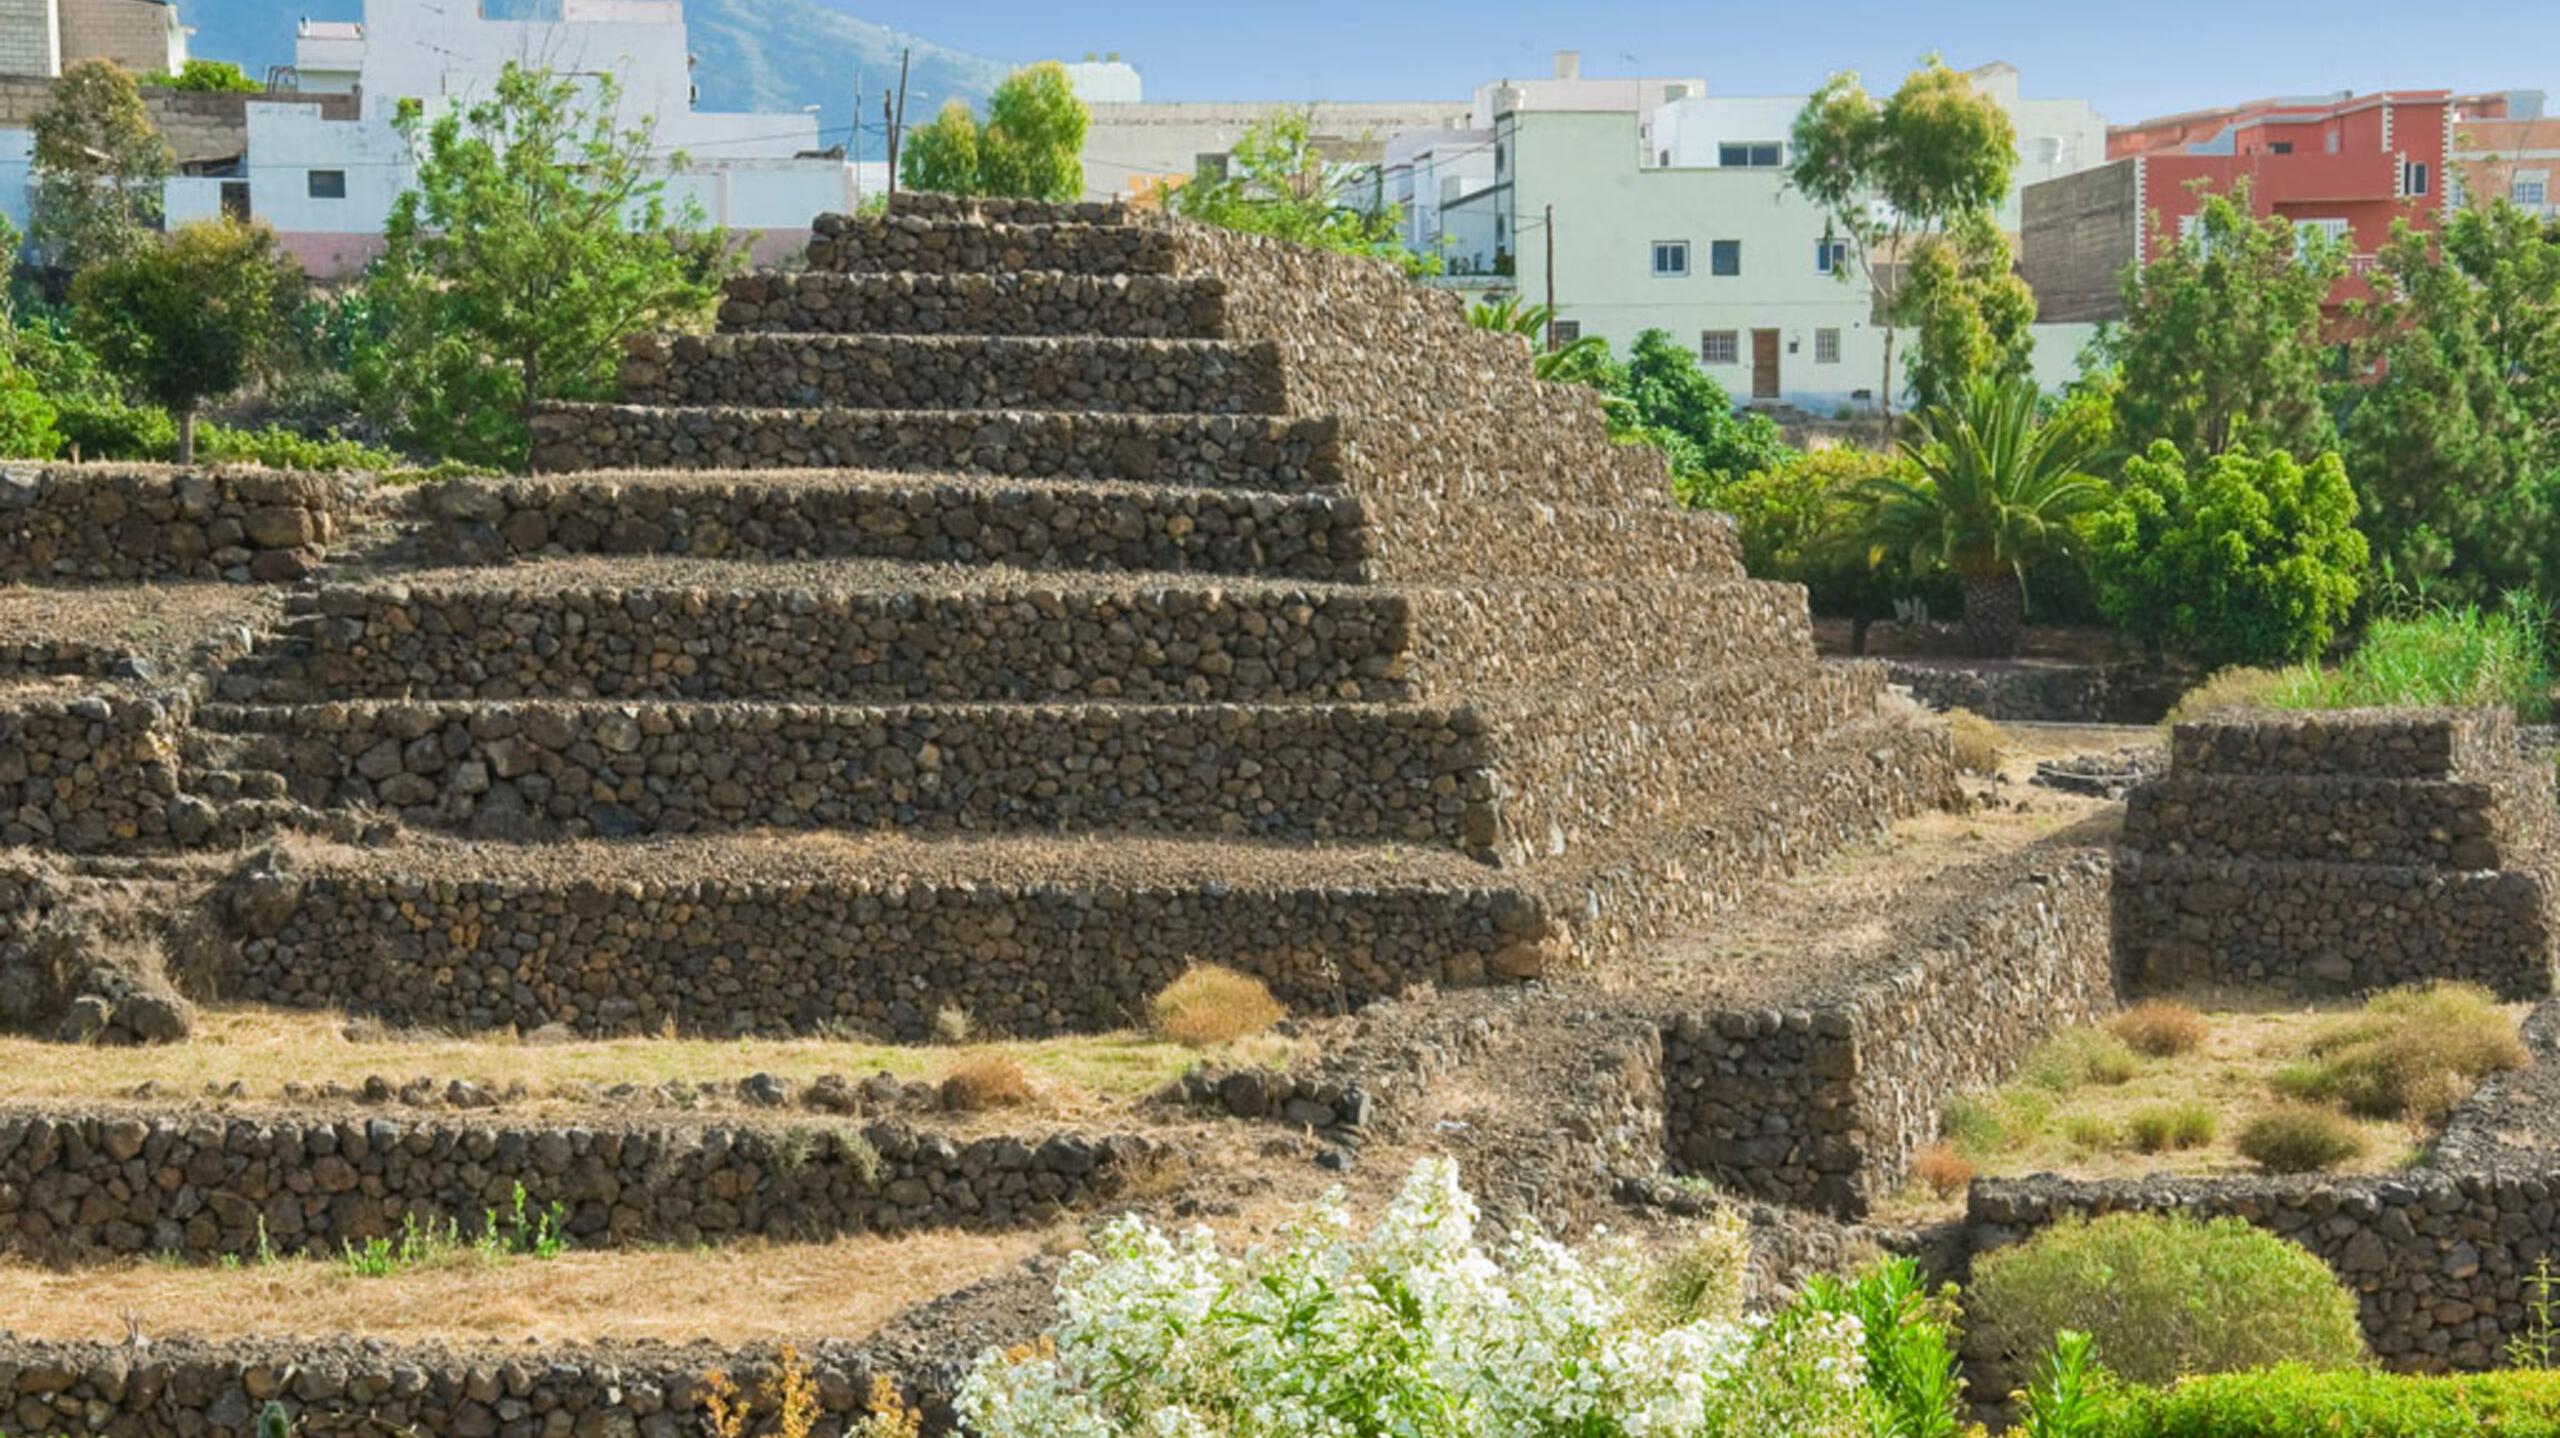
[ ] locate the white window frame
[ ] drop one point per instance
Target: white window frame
(2537, 183)
(1727, 341)
(1826, 346)
(1663, 249)
(1830, 257)
(2417, 179)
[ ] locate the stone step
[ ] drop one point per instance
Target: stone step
(1081, 375)
(1131, 306)
(1258, 452)
(921, 244)
(88, 1183)
(2444, 824)
(928, 518)
(1005, 209)
(878, 933)
(1353, 773)
(885, 632)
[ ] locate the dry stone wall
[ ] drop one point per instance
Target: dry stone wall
(2343, 852)
(908, 372)
(91, 1184)
(1135, 306)
(92, 772)
(147, 523)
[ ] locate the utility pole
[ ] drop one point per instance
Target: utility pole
(1551, 279)
(898, 118)
(889, 127)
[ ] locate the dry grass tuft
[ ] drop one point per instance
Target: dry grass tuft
(1946, 1172)
(2160, 1130)
(2076, 1058)
(2300, 1139)
(1980, 744)
(985, 1082)
(953, 1025)
(1211, 1007)
(2160, 1029)
(2231, 691)
(2411, 1053)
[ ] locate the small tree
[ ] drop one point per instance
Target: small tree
(537, 238)
(1031, 147)
(1800, 523)
(100, 165)
(1974, 316)
(1884, 173)
(1674, 404)
(1993, 492)
(207, 76)
(186, 319)
(2249, 559)
(2221, 340)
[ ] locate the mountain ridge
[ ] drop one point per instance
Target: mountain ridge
(759, 55)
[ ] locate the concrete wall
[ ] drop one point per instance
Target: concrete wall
(1132, 144)
(30, 41)
(143, 36)
(2079, 237)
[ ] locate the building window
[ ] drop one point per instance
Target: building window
(328, 184)
(1752, 155)
(1567, 332)
(2417, 178)
(2530, 191)
(1830, 257)
(1826, 347)
(1671, 259)
(1210, 169)
(2337, 230)
(1724, 257)
(2281, 147)
(1720, 347)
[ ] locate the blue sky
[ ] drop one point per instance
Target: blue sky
(2132, 60)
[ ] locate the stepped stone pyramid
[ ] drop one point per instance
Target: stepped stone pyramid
(1014, 607)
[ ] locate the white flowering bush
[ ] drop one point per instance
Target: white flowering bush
(1412, 1331)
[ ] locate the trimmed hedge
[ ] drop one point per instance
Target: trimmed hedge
(2296, 1402)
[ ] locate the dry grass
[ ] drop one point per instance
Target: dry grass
(2411, 1053)
(1980, 744)
(2161, 1028)
(2298, 1138)
(985, 1082)
(2228, 692)
(1210, 1007)
(262, 1051)
(735, 1296)
(1946, 1172)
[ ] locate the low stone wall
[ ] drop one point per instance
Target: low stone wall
(631, 947)
(1081, 374)
(767, 637)
(129, 523)
(90, 1184)
(2438, 1261)
(920, 244)
(1230, 451)
(2040, 693)
(934, 519)
(2336, 853)
(92, 772)
(1410, 774)
(1821, 1102)
(349, 1388)
(1137, 306)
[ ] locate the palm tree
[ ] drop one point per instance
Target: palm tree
(1584, 361)
(1992, 490)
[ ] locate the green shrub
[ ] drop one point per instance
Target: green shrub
(110, 428)
(2296, 1402)
(1798, 523)
(2232, 691)
(2411, 1053)
(2299, 1139)
(2246, 558)
(2435, 656)
(1910, 1343)
(2158, 1130)
(27, 418)
(280, 448)
(2166, 1296)
(2076, 1058)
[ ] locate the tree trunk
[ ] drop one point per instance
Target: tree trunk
(1858, 635)
(187, 435)
(1994, 615)
(1884, 396)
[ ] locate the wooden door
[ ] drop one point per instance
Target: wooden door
(1764, 364)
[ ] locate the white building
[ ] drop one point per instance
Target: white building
(327, 184)
(1672, 211)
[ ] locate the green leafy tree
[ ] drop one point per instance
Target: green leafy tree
(207, 77)
(2221, 341)
(1885, 173)
(1278, 182)
(1973, 316)
(1031, 146)
(2252, 558)
(187, 319)
(1672, 403)
(99, 165)
(2454, 439)
(1993, 492)
(1800, 522)
(537, 239)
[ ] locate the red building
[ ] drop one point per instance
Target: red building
(2347, 165)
